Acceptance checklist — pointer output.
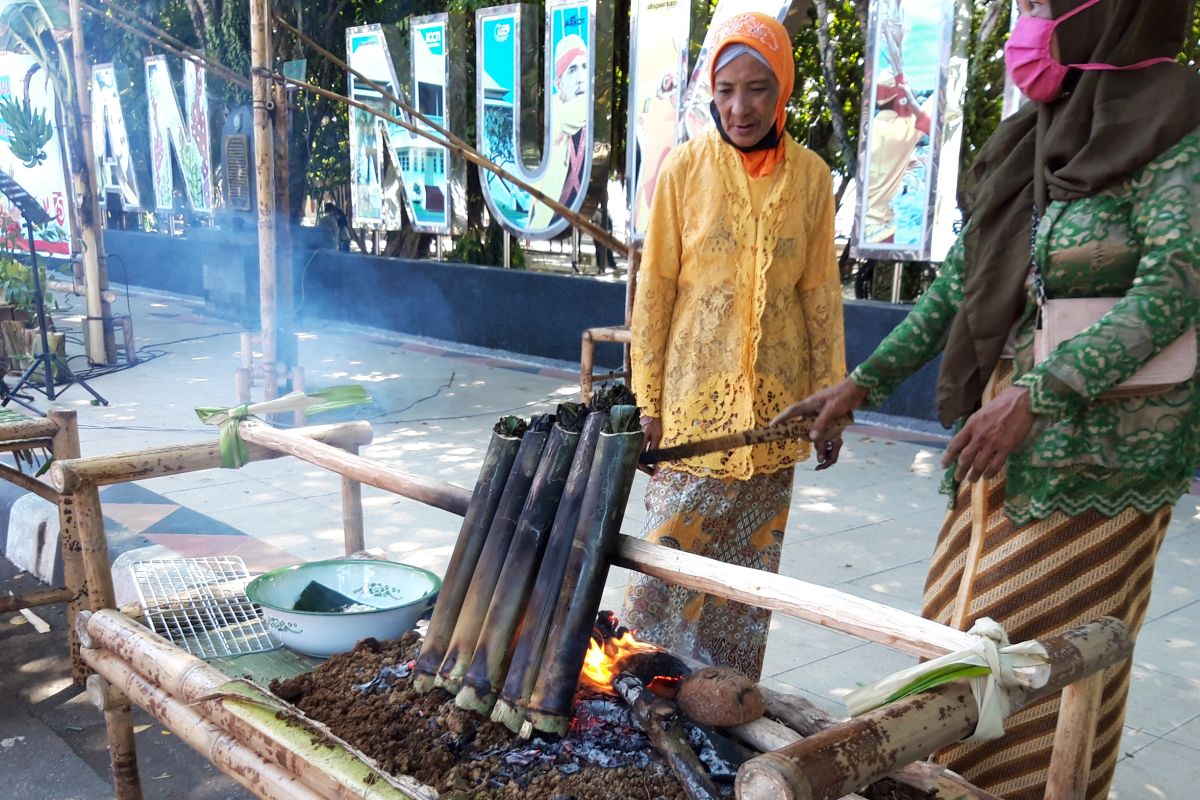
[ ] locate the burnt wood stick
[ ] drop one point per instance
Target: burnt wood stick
(659, 720)
(535, 626)
(497, 463)
(603, 508)
(798, 428)
(490, 662)
(487, 571)
(864, 749)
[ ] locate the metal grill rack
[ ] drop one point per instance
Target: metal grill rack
(200, 605)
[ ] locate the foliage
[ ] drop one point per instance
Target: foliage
(28, 131)
(810, 115)
(485, 247)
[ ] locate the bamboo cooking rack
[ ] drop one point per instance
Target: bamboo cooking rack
(271, 749)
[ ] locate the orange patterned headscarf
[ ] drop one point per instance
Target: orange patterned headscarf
(768, 38)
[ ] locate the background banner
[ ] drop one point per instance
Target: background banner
(170, 134)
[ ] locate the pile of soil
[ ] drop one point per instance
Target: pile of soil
(458, 752)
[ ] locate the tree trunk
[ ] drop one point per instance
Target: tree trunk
(832, 98)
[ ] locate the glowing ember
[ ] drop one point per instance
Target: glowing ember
(605, 660)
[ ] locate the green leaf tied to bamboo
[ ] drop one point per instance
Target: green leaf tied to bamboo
(234, 453)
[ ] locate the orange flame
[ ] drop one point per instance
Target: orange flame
(603, 662)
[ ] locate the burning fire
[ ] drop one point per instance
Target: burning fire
(605, 659)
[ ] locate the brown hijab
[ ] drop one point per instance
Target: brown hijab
(1105, 127)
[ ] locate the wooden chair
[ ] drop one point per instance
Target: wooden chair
(618, 334)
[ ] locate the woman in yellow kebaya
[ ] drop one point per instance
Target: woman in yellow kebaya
(738, 307)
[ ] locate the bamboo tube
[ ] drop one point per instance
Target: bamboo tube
(28, 483)
(493, 650)
(583, 582)
(44, 597)
(531, 641)
(497, 462)
(29, 428)
(69, 475)
(429, 491)
(1074, 737)
(255, 718)
(864, 749)
(798, 428)
(353, 534)
(461, 647)
(65, 446)
(256, 774)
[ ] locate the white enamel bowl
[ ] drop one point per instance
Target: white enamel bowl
(400, 592)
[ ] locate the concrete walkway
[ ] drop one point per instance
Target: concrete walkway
(865, 527)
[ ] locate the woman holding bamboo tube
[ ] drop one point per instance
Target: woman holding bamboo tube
(738, 305)
(1062, 494)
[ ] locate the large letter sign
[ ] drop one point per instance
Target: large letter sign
(114, 161)
(504, 35)
(169, 134)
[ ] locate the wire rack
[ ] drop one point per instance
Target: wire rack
(200, 605)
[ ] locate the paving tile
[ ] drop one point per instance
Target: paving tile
(137, 516)
(231, 496)
(1171, 647)
(1161, 770)
(835, 676)
(1160, 702)
(187, 545)
(1187, 734)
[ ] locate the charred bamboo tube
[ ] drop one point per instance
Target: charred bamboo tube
(461, 647)
(531, 641)
(497, 463)
(493, 651)
(864, 749)
(659, 720)
(43, 597)
(583, 582)
(798, 428)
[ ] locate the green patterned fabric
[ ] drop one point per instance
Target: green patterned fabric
(1140, 241)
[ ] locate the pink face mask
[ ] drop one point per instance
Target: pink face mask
(1034, 70)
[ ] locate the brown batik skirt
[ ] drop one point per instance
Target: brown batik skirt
(1038, 580)
(738, 522)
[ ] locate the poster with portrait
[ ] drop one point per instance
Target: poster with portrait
(179, 137)
(376, 176)
(41, 172)
(505, 36)
(659, 32)
(115, 172)
(912, 128)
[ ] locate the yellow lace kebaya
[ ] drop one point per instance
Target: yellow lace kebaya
(738, 308)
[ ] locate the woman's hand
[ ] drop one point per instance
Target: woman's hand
(652, 432)
(990, 436)
(826, 405)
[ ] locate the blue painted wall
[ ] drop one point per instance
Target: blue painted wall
(534, 313)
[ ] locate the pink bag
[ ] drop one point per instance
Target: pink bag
(1060, 320)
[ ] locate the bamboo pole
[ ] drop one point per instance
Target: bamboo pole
(438, 494)
(353, 533)
(864, 749)
(493, 474)
(28, 483)
(100, 342)
(286, 343)
(260, 69)
(43, 597)
(535, 627)
(798, 428)
(493, 650)
(65, 446)
(255, 773)
(607, 492)
(256, 719)
(461, 647)
(822, 606)
(69, 475)
(1074, 736)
